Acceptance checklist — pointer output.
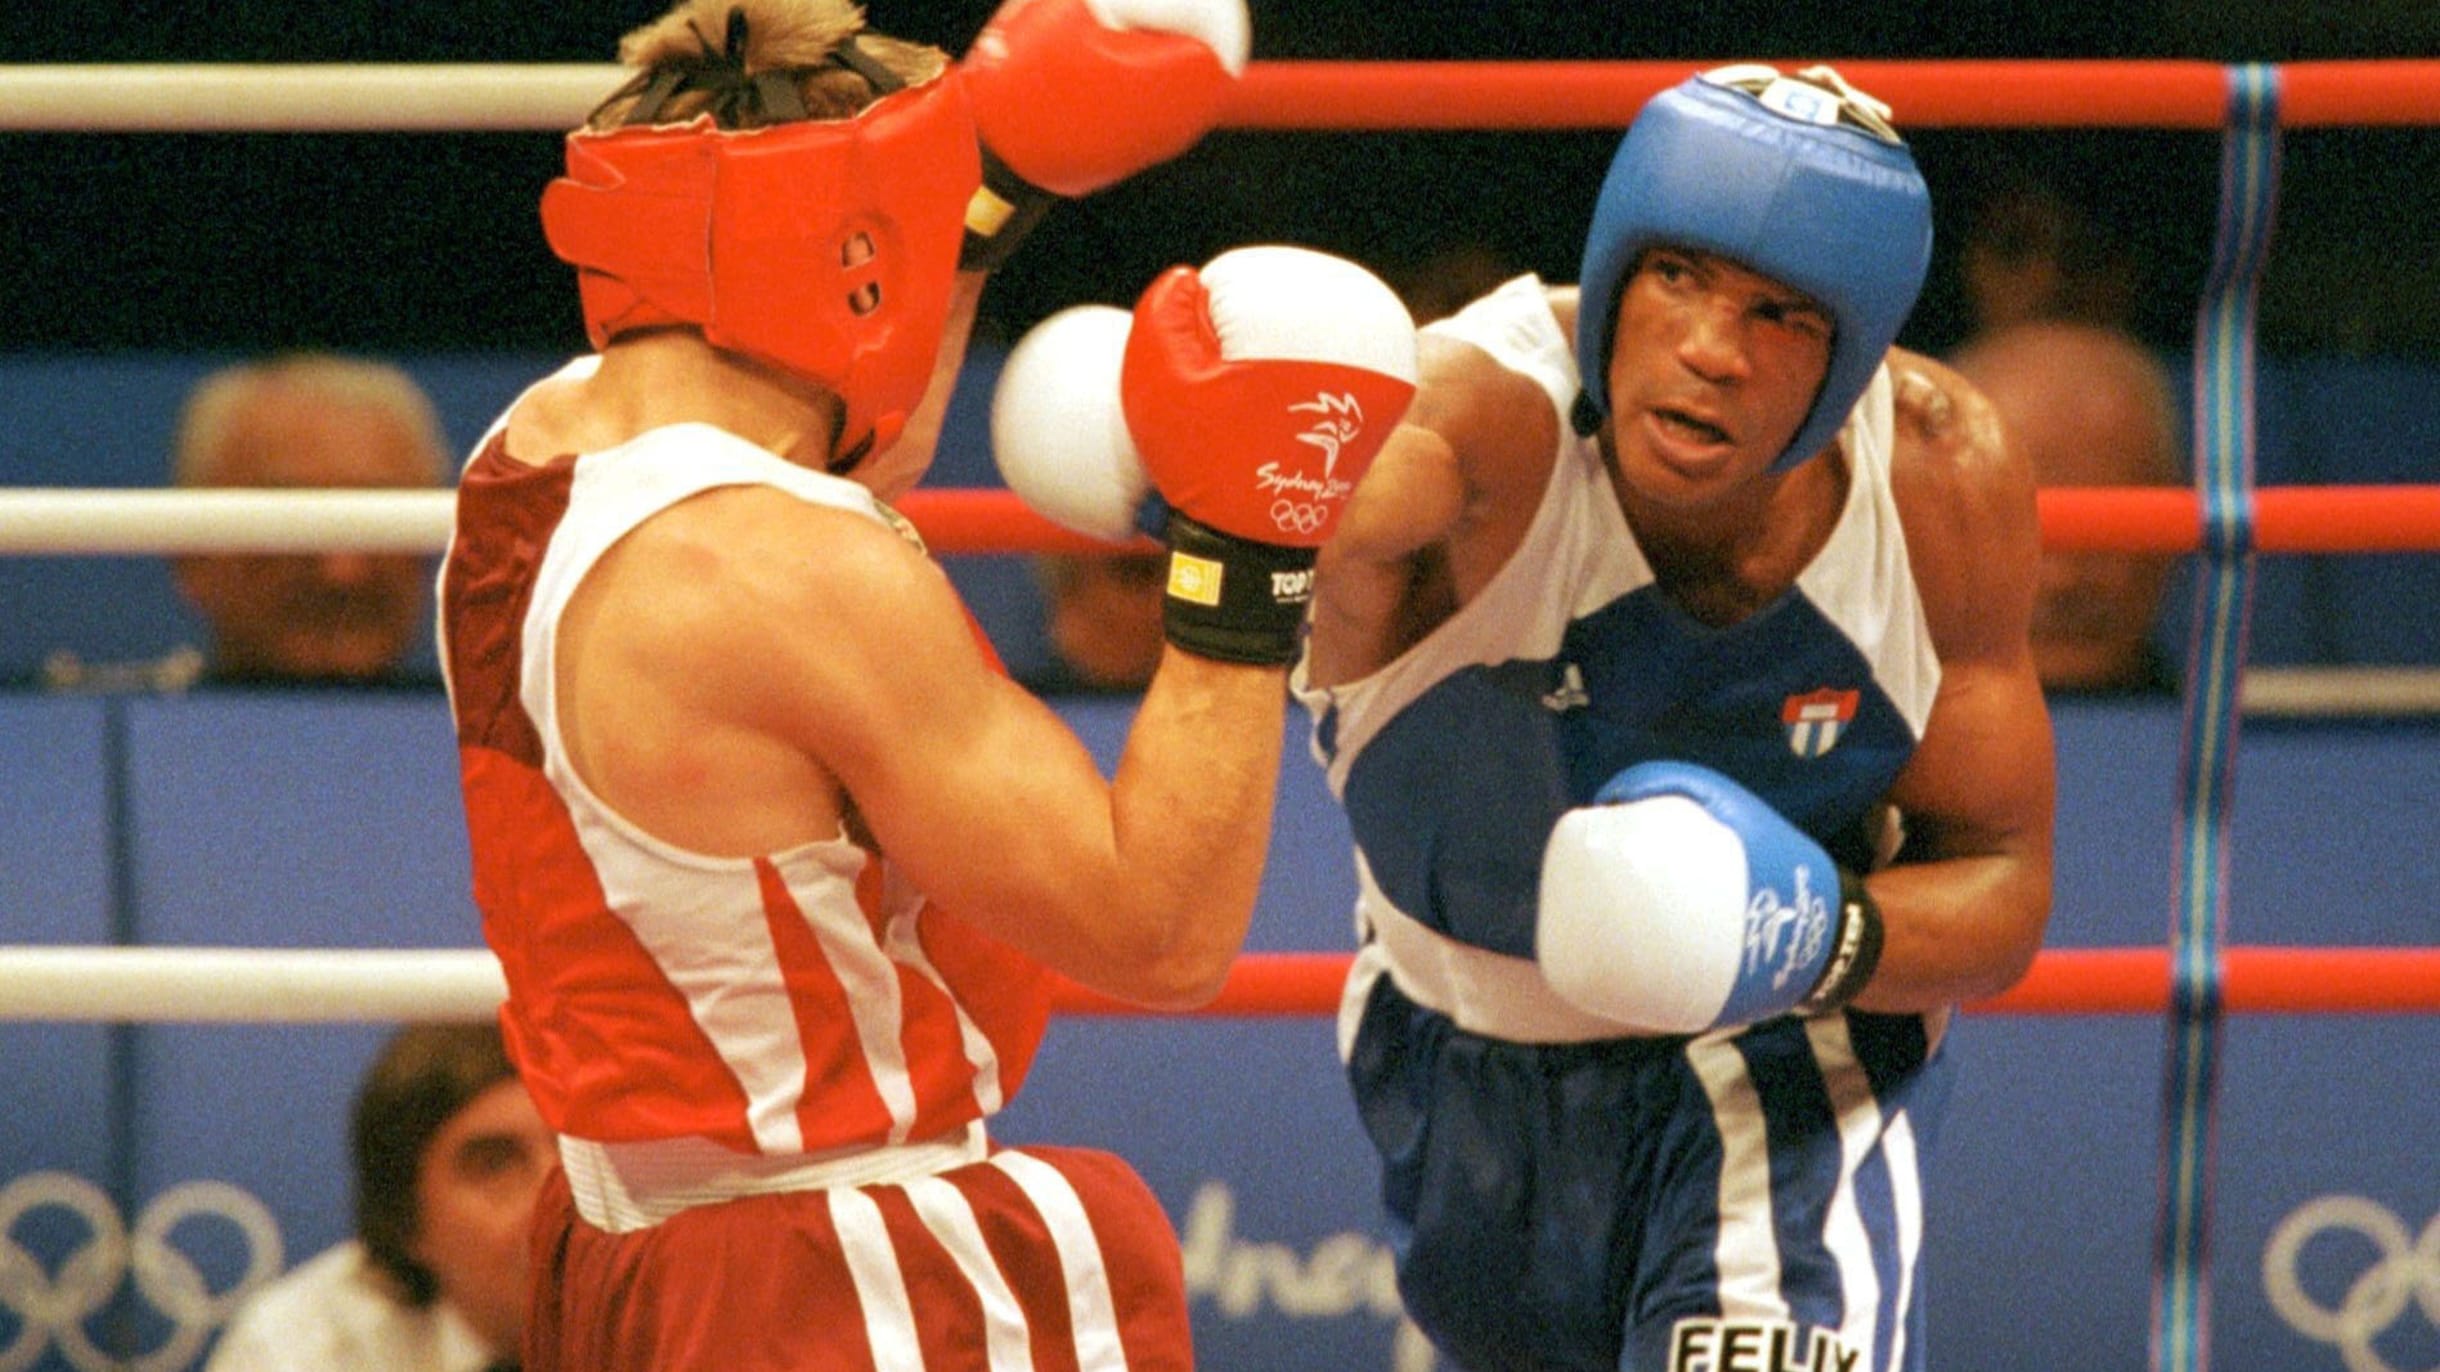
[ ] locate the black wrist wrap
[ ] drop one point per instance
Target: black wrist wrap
(1001, 212)
(1233, 598)
(1858, 951)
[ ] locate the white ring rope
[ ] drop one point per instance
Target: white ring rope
(40, 520)
(59, 522)
(247, 985)
(318, 98)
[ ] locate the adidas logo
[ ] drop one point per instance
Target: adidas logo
(1571, 693)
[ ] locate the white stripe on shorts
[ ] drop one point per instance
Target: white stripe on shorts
(1859, 1130)
(872, 1260)
(1747, 1250)
(946, 1212)
(1091, 1309)
(1906, 1179)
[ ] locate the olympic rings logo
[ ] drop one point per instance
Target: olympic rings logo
(2406, 1269)
(52, 1307)
(1298, 516)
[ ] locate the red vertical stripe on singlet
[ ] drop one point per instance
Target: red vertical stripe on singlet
(936, 1056)
(841, 1102)
(929, 1038)
(538, 891)
(507, 512)
(1006, 994)
(948, 1313)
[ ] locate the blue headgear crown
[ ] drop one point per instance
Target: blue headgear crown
(1799, 178)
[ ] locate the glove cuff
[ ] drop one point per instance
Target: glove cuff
(1232, 598)
(1857, 954)
(1001, 212)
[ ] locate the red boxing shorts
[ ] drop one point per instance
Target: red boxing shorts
(1064, 1253)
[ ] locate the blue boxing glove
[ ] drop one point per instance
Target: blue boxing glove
(1679, 902)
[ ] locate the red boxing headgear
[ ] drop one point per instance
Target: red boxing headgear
(826, 248)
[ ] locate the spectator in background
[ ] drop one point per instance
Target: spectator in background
(1447, 279)
(2087, 406)
(2033, 252)
(2051, 291)
(1102, 615)
(449, 1151)
(305, 421)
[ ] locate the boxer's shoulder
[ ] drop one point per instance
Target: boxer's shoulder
(1965, 497)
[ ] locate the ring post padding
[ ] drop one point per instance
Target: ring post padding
(2215, 660)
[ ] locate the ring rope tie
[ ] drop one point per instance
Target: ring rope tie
(2215, 662)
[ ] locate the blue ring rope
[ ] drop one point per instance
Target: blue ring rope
(2215, 658)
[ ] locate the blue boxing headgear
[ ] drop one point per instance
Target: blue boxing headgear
(1799, 178)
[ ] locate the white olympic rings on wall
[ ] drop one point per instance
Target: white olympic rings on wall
(2406, 1269)
(51, 1308)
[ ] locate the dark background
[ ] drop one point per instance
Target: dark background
(429, 242)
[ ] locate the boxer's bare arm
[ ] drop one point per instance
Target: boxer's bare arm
(1443, 505)
(751, 666)
(1966, 906)
(1375, 570)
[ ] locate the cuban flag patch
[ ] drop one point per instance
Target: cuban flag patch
(1815, 719)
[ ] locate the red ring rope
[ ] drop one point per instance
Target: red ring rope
(1411, 96)
(2064, 981)
(2290, 519)
(2287, 519)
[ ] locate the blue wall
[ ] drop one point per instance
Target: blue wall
(221, 819)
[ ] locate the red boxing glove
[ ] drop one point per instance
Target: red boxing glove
(1072, 95)
(1256, 391)
(1260, 388)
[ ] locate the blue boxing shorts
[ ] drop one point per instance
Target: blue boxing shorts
(1746, 1199)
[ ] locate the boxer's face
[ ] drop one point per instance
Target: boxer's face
(1713, 369)
(474, 1198)
(336, 615)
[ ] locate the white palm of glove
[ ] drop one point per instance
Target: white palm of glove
(1681, 902)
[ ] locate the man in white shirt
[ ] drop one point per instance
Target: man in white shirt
(449, 1150)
